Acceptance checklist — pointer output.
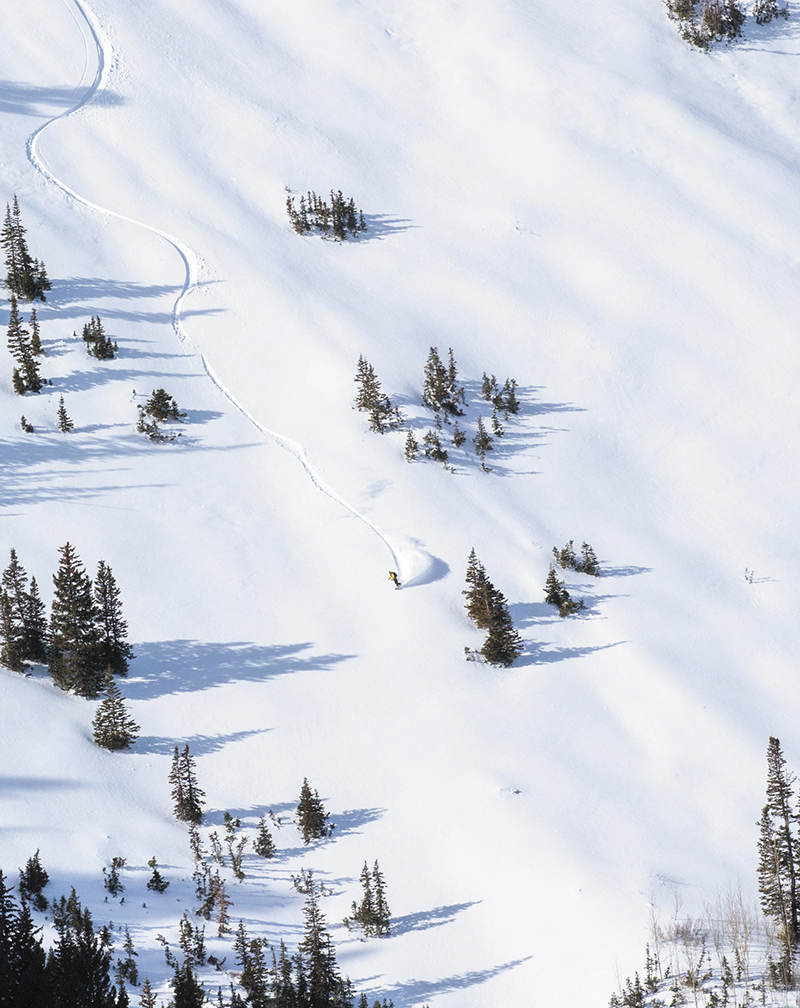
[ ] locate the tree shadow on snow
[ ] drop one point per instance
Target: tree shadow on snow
(184, 666)
(381, 226)
(426, 919)
(19, 98)
(606, 571)
(416, 992)
(537, 653)
(200, 745)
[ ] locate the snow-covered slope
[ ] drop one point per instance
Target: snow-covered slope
(564, 195)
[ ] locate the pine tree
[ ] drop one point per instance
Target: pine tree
(778, 859)
(411, 447)
(264, 845)
(565, 558)
(112, 726)
(186, 795)
(433, 447)
(79, 964)
(311, 817)
(509, 403)
(488, 609)
(187, 990)
(497, 428)
(33, 988)
(25, 276)
(489, 387)
(483, 443)
(319, 976)
(162, 407)
(65, 424)
(23, 627)
(459, 437)
(26, 377)
(114, 650)
(588, 561)
(148, 998)
(32, 880)
(440, 390)
(503, 645)
(24, 424)
(382, 416)
(126, 969)
(98, 345)
(111, 880)
(74, 646)
(156, 882)
(36, 337)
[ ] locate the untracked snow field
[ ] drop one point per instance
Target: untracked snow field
(564, 194)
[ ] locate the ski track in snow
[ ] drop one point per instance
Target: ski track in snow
(404, 563)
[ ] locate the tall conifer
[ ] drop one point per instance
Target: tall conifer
(74, 645)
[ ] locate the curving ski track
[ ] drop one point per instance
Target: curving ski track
(103, 48)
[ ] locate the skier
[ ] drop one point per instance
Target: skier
(393, 578)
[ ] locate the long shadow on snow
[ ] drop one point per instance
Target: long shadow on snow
(200, 745)
(426, 919)
(183, 666)
(19, 98)
(537, 655)
(416, 992)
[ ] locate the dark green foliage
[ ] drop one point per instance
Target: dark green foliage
(111, 880)
(65, 423)
(126, 968)
(433, 447)
(765, 10)
(319, 983)
(114, 651)
(489, 387)
(371, 916)
(36, 336)
(98, 345)
(25, 425)
(26, 277)
(186, 988)
(23, 626)
(411, 447)
(32, 880)
(702, 23)
(148, 998)
(459, 437)
(586, 563)
(159, 408)
(75, 662)
(26, 377)
(255, 974)
(264, 845)
(488, 609)
(440, 389)
(311, 817)
(186, 795)
(778, 860)
(556, 594)
(113, 728)
(156, 882)
(338, 220)
(483, 443)
(382, 416)
(497, 428)
(78, 966)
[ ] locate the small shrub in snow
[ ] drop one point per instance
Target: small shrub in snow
(156, 882)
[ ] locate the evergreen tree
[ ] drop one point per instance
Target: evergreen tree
(112, 726)
(111, 880)
(162, 407)
(488, 609)
(79, 964)
(588, 561)
(311, 817)
(23, 627)
(36, 336)
(565, 558)
(33, 988)
(26, 427)
(778, 859)
(507, 399)
(98, 345)
(156, 882)
(114, 651)
(32, 880)
(556, 594)
(483, 443)
(440, 390)
(254, 976)
(433, 447)
(489, 387)
(126, 969)
(411, 447)
(74, 647)
(8, 923)
(339, 219)
(187, 990)
(186, 794)
(319, 979)
(371, 915)
(26, 376)
(148, 998)
(264, 845)
(65, 424)
(382, 416)
(497, 428)
(25, 276)
(459, 437)
(503, 645)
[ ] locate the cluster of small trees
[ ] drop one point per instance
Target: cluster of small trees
(702, 23)
(444, 395)
(25, 346)
(371, 915)
(586, 563)
(488, 610)
(86, 635)
(337, 219)
(160, 408)
(98, 345)
(556, 594)
(26, 277)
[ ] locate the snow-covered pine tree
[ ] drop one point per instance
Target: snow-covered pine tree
(113, 728)
(114, 650)
(36, 336)
(156, 882)
(264, 845)
(311, 817)
(74, 654)
(32, 880)
(65, 423)
(778, 859)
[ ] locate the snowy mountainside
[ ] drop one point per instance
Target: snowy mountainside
(570, 197)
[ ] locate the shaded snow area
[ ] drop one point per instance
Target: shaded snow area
(565, 195)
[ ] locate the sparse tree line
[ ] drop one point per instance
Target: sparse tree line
(26, 279)
(702, 23)
(732, 954)
(311, 214)
(445, 397)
